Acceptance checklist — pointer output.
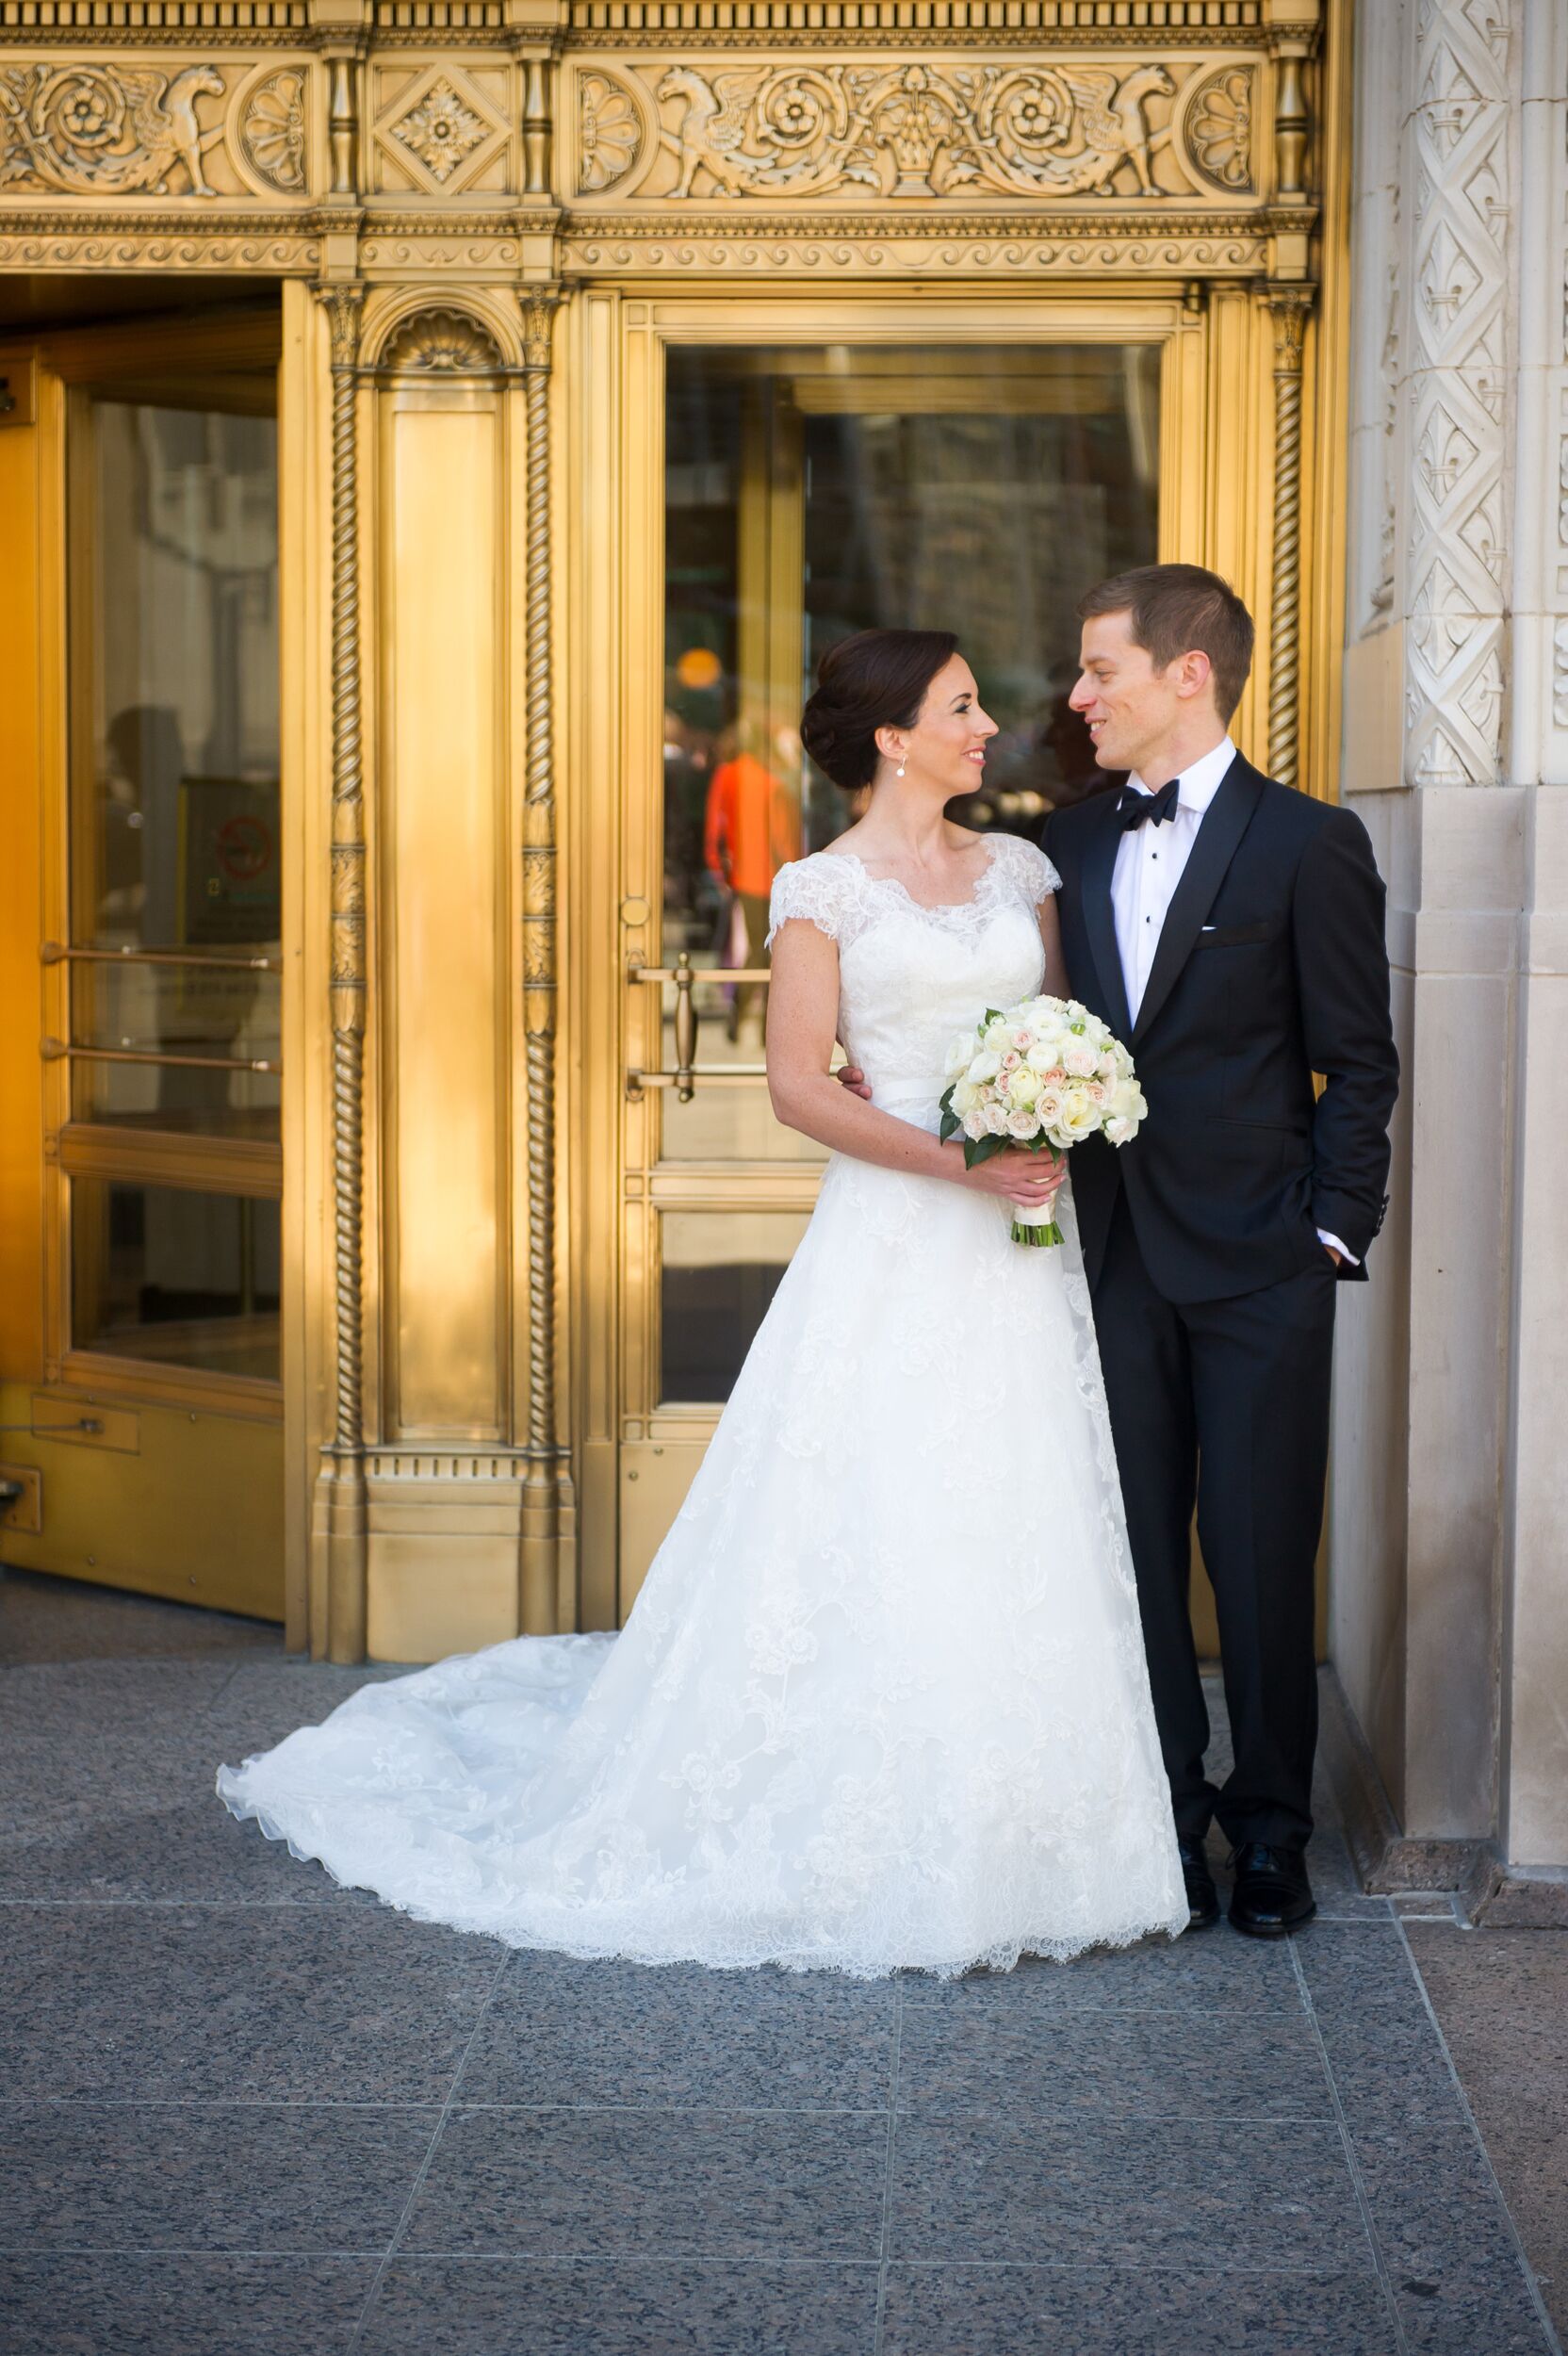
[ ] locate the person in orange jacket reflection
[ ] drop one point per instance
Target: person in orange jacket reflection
(752, 830)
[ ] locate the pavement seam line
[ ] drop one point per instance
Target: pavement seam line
(882, 2257)
(1358, 2184)
(415, 2189)
(1539, 2303)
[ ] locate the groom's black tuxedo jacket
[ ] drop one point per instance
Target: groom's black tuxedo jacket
(1272, 966)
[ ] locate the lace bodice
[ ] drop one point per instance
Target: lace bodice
(910, 978)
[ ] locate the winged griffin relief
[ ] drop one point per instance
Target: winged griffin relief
(104, 130)
(912, 130)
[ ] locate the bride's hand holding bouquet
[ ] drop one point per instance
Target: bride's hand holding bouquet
(1039, 1077)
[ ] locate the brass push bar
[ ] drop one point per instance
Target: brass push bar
(55, 952)
(683, 1079)
(53, 1049)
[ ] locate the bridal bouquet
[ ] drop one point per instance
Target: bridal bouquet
(1044, 1076)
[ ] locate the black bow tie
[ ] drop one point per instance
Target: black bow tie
(1135, 809)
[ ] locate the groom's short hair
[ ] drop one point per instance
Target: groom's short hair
(1175, 609)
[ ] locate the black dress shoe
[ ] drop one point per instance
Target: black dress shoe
(1272, 1895)
(1202, 1897)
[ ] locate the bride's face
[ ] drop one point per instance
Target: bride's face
(946, 747)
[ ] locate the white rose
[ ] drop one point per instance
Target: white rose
(1022, 1124)
(1048, 1108)
(965, 1096)
(1080, 1117)
(974, 1123)
(1120, 1131)
(995, 1119)
(984, 1067)
(1127, 1101)
(1078, 1059)
(1023, 1086)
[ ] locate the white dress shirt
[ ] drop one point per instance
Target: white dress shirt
(1148, 864)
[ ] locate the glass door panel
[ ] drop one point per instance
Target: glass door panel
(810, 492)
(171, 1146)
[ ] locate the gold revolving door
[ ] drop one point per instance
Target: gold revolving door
(149, 1095)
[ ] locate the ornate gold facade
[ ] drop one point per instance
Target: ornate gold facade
(479, 230)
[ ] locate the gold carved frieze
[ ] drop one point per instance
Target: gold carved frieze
(829, 245)
(440, 130)
(103, 128)
(1148, 133)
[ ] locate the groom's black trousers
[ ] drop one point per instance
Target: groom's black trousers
(1227, 1403)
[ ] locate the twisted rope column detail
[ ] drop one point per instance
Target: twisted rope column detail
(1290, 306)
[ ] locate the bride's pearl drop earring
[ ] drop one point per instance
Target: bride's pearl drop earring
(901, 768)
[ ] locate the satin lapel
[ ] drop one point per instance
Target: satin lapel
(1224, 823)
(1100, 919)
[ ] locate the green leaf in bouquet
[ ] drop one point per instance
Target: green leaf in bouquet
(978, 1150)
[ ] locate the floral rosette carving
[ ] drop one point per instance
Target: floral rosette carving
(273, 131)
(608, 133)
(1220, 129)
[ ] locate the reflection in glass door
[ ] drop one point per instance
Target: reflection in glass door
(171, 1146)
(811, 493)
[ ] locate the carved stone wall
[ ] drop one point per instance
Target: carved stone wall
(1450, 1496)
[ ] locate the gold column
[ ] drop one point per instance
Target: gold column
(548, 1517)
(343, 1472)
(1290, 306)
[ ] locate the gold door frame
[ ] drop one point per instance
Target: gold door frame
(1216, 461)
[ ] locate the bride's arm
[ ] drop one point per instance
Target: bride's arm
(803, 1017)
(1056, 984)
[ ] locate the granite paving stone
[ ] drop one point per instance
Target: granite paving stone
(1388, 2065)
(240, 2176)
(671, 2183)
(109, 1699)
(43, 1618)
(1517, 1975)
(958, 2054)
(1089, 2310)
(252, 2112)
(138, 2304)
(303, 2002)
(192, 1850)
(1451, 2257)
(1134, 2191)
(632, 2307)
(1353, 1966)
(1214, 1971)
(558, 2031)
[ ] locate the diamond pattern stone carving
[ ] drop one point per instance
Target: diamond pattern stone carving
(442, 131)
(1453, 646)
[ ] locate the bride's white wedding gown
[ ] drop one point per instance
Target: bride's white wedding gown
(882, 1702)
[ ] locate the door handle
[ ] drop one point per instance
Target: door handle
(683, 1079)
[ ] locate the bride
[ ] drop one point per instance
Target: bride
(882, 1702)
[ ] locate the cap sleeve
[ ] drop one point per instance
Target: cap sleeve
(820, 888)
(1029, 870)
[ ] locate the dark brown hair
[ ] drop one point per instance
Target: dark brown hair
(1178, 609)
(877, 680)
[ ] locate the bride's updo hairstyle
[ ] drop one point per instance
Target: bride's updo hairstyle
(877, 680)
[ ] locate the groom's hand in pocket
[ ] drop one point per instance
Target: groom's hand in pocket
(850, 1076)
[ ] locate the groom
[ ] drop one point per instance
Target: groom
(1232, 932)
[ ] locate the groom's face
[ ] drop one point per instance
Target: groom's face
(1129, 706)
